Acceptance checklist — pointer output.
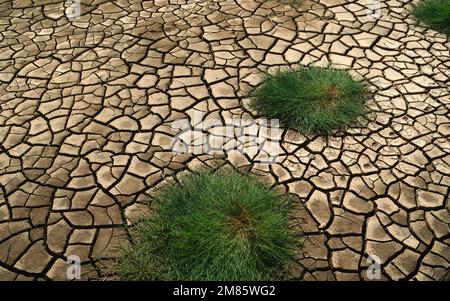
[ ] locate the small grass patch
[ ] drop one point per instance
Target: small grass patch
(434, 14)
(222, 226)
(311, 99)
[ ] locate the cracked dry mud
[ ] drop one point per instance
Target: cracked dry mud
(86, 107)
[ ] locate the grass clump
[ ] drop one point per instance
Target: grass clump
(434, 14)
(311, 99)
(221, 226)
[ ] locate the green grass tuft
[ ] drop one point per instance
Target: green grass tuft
(435, 14)
(222, 226)
(311, 99)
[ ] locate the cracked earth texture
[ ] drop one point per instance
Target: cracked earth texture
(86, 107)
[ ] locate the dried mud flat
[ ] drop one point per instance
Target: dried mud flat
(86, 108)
